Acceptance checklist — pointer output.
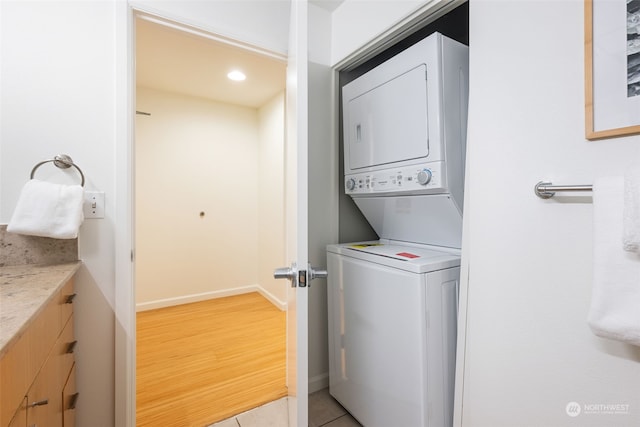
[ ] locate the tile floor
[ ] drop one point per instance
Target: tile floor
(324, 411)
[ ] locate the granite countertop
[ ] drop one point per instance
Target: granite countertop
(24, 291)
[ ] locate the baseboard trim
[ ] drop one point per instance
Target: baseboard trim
(186, 299)
(318, 382)
(282, 305)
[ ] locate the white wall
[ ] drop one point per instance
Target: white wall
(323, 183)
(195, 156)
(271, 197)
(355, 23)
(263, 23)
(57, 86)
(529, 351)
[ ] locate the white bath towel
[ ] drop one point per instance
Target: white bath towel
(631, 210)
(615, 298)
(48, 210)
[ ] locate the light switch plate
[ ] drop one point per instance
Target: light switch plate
(93, 206)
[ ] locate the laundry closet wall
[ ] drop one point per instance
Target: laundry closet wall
(209, 198)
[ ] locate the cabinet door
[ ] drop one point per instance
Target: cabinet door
(69, 400)
(15, 377)
(20, 418)
(66, 298)
(65, 350)
(44, 400)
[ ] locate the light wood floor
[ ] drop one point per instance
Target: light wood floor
(203, 362)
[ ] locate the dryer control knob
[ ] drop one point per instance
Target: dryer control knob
(351, 184)
(424, 176)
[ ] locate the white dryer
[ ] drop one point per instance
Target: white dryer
(393, 303)
(392, 331)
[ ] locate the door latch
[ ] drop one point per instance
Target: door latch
(302, 278)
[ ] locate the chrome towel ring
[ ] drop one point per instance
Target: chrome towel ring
(62, 161)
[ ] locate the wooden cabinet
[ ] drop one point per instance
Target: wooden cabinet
(20, 417)
(38, 369)
(69, 399)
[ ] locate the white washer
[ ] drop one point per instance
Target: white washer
(392, 329)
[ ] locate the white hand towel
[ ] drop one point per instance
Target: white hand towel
(631, 210)
(615, 298)
(48, 210)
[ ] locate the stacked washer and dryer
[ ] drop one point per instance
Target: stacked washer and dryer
(393, 303)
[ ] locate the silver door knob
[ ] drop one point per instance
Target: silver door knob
(299, 277)
(317, 273)
(284, 273)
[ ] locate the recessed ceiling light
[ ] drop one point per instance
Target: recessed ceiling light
(237, 76)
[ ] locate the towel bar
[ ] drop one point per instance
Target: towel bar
(63, 162)
(546, 190)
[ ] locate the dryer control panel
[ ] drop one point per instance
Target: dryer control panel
(415, 179)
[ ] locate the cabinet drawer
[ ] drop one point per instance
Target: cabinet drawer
(44, 399)
(14, 372)
(20, 418)
(65, 350)
(21, 363)
(66, 300)
(69, 399)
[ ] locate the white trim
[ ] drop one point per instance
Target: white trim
(186, 299)
(210, 36)
(282, 305)
(427, 13)
(318, 382)
(125, 327)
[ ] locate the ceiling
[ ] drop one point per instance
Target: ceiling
(176, 61)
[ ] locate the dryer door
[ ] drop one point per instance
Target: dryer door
(388, 124)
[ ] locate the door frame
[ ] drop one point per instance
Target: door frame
(125, 307)
(125, 336)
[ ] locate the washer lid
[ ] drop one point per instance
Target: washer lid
(410, 258)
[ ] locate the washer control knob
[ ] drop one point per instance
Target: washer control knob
(351, 184)
(424, 176)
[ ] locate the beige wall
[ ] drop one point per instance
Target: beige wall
(193, 156)
(271, 196)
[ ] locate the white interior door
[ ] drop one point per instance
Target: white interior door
(296, 215)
